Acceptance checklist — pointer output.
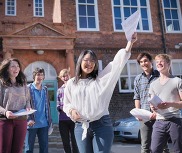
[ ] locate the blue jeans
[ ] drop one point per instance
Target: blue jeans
(42, 134)
(99, 137)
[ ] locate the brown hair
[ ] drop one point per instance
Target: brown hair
(4, 74)
(141, 55)
(38, 70)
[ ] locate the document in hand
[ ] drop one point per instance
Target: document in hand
(155, 100)
(23, 112)
(50, 130)
(141, 114)
(130, 24)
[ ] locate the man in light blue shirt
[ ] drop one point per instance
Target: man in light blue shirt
(40, 121)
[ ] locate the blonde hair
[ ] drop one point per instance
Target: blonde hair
(63, 72)
(166, 57)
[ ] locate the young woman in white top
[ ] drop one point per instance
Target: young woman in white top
(87, 98)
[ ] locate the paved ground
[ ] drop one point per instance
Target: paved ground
(118, 147)
(115, 149)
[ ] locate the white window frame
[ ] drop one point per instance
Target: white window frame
(179, 16)
(179, 69)
(12, 6)
(140, 20)
(34, 9)
(129, 76)
(96, 17)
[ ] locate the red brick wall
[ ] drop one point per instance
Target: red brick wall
(52, 57)
(105, 38)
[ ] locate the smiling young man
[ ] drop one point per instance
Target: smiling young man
(168, 123)
(38, 123)
(141, 87)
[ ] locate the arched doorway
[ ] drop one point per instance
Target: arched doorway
(50, 81)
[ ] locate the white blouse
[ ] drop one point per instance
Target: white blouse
(91, 97)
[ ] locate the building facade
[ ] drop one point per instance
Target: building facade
(52, 33)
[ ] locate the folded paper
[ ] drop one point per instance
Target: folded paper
(141, 114)
(155, 101)
(23, 112)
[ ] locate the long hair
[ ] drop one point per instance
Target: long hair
(94, 73)
(4, 74)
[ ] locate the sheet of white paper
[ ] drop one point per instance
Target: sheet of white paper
(155, 100)
(50, 130)
(23, 112)
(130, 24)
(141, 114)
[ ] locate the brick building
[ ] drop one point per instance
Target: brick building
(52, 33)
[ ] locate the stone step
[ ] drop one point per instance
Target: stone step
(55, 141)
(51, 150)
(52, 138)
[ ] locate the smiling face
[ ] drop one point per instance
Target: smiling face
(13, 70)
(145, 64)
(162, 65)
(65, 77)
(39, 77)
(87, 65)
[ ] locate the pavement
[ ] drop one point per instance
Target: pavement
(116, 148)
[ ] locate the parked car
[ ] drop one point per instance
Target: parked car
(128, 128)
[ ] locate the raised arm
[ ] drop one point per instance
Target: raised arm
(130, 43)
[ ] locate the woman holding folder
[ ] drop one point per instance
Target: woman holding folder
(14, 96)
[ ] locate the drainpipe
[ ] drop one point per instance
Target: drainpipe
(162, 26)
(1, 48)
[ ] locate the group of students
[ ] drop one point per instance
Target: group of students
(165, 120)
(83, 102)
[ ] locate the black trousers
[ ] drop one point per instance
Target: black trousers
(66, 129)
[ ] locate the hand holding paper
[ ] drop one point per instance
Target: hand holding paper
(130, 24)
(155, 101)
(50, 130)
